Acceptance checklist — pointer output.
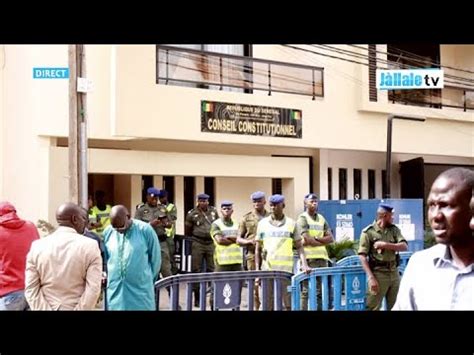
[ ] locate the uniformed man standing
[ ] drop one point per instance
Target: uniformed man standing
(171, 231)
(381, 241)
(316, 234)
(248, 231)
(155, 214)
(228, 253)
(198, 226)
(276, 235)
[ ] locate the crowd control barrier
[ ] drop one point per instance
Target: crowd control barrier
(227, 289)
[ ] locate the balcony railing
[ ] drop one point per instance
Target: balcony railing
(201, 69)
(450, 96)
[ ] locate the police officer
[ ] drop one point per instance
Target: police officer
(316, 234)
(248, 231)
(156, 216)
(171, 231)
(198, 226)
(381, 241)
(276, 235)
(228, 254)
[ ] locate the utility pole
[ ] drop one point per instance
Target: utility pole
(77, 126)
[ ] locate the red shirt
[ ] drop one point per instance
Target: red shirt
(16, 236)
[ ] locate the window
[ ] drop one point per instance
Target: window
(276, 186)
(329, 183)
(199, 69)
(357, 184)
(410, 55)
(342, 184)
(384, 183)
(371, 183)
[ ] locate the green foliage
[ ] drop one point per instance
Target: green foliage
(341, 249)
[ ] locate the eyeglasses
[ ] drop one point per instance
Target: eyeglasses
(226, 208)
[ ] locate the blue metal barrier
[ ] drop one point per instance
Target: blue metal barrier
(345, 283)
(348, 288)
(227, 288)
(354, 260)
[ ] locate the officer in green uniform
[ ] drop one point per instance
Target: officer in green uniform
(171, 231)
(316, 234)
(228, 253)
(381, 241)
(248, 231)
(156, 215)
(198, 226)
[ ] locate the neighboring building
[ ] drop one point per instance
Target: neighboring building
(144, 130)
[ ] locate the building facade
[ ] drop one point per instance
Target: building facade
(229, 120)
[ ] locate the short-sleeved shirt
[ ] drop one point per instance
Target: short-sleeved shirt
(248, 227)
(303, 226)
(201, 221)
(147, 213)
(373, 233)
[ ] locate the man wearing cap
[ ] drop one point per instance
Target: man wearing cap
(198, 226)
(381, 241)
(228, 254)
(156, 215)
(316, 234)
(276, 235)
(170, 231)
(248, 231)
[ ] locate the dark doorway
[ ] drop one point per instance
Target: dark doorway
(147, 181)
(412, 178)
(168, 185)
(210, 189)
(189, 194)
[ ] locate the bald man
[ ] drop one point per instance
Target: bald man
(133, 262)
(64, 269)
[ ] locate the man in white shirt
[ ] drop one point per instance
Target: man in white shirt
(442, 277)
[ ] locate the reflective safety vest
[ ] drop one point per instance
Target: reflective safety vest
(277, 245)
(170, 232)
(228, 254)
(102, 217)
(316, 230)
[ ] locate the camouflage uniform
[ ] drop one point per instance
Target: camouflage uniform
(147, 213)
(248, 230)
(383, 264)
(202, 245)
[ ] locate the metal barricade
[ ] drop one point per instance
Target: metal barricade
(354, 260)
(226, 288)
(347, 288)
(343, 286)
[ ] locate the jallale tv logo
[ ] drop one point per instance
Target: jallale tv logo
(410, 79)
